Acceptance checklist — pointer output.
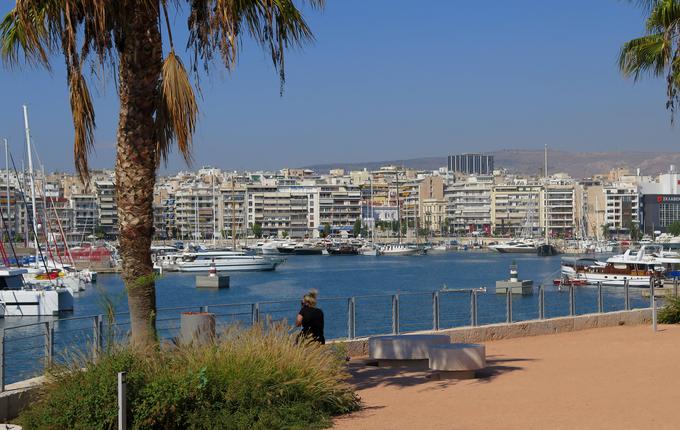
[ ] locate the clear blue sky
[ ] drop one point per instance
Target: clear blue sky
(394, 79)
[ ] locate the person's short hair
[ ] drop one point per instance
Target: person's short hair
(309, 299)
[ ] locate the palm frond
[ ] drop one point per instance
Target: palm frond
(17, 44)
(83, 121)
(177, 109)
(664, 16)
(645, 54)
(216, 27)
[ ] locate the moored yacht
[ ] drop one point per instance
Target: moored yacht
(19, 298)
(515, 246)
(223, 262)
(636, 266)
(398, 249)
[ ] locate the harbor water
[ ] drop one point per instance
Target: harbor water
(373, 281)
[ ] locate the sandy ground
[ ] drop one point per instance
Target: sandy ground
(609, 378)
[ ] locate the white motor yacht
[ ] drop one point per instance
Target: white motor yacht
(223, 262)
(515, 246)
(398, 249)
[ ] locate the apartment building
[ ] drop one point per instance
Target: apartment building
(232, 210)
(288, 211)
(107, 208)
(468, 204)
(622, 207)
(560, 216)
(339, 206)
(517, 209)
(195, 206)
(85, 217)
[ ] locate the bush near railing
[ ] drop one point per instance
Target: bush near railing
(670, 313)
(253, 378)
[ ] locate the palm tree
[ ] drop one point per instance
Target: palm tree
(157, 102)
(657, 53)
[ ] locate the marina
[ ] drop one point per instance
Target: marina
(371, 284)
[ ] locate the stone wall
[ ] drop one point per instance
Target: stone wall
(359, 347)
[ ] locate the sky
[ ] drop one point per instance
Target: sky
(392, 79)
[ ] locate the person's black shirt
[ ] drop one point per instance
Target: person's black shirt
(312, 323)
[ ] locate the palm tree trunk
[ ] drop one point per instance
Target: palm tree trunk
(140, 51)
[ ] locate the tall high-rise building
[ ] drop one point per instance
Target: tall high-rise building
(471, 164)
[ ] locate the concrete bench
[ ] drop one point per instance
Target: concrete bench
(404, 350)
(457, 360)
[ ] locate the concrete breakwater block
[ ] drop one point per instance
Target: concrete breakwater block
(457, 360)
(525, 288)
(400, 350)
(196, 327)
(207, 281)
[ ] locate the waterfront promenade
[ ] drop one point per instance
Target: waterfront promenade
(622, 377)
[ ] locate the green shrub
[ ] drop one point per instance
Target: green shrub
(670, 313)
(252, 378)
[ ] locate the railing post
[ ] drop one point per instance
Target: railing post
(395, 313)
(435, 310)
(675, 286)
(255, 313)
(97, 335)
(2, 360)
(572, 304)
(508, 305)
(600, 298)
(122, 401)
(351, 318)
(652, 304)
(49, 343)
(626, 294)
(541, 302)
(473, 308)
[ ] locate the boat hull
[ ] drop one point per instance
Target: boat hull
(229, 266)
(511, 250)
(19, 303)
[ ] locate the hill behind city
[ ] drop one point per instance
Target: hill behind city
(530, 161)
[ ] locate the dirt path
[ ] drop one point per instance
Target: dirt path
(609, 378)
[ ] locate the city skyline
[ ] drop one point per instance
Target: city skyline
(361, 96)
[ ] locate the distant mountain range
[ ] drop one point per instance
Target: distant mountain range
(530, 162)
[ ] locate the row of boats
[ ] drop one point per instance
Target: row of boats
(266, 256)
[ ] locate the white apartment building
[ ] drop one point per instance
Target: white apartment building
(196, 205)
(622, 203)
(339, 206)
(107, 207)
(232, 211)
(468, 204)
(517, 209)
(288, 211)
(560, 208)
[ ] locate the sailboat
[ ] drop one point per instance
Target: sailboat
(370, 248)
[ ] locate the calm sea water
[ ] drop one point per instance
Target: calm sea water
(372, 280)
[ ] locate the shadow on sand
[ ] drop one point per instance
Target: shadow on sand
(365, 375)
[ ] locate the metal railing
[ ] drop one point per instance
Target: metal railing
(27, 350)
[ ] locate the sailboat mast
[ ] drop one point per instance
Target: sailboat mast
(398, 210)
(370, 211)
(545, 209)
(30, 172)
(9, 232)
(214, 209)
(233, 215)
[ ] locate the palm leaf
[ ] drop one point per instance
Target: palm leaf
(647, 54)
(177, 108)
